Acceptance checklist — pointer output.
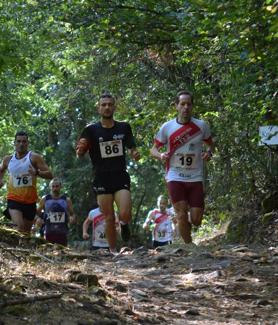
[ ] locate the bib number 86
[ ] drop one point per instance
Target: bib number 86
(110, 149)
(114, 149)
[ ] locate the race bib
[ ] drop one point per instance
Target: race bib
(161, 234)
(185, 160)
(110, 149)
(57, 217)
(22, 181)
(100, 235)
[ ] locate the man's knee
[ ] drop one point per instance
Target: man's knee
(125, 215)
(182, 217)
(196, 218)
(197, 222)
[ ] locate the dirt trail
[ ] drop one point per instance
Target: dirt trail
(43, 284)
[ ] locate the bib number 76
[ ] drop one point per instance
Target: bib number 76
(22, 180)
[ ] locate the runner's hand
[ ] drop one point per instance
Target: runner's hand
(206, 155)
(164, 156)
(86, 236)
(135, 155)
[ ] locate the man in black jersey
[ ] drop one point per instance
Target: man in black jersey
(107, 141)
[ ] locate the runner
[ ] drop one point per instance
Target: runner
(106, 142)
(162, 232)
(58, 212)
(23, 167)
(184, 137)
(97, 219)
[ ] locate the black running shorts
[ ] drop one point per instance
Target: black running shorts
(111, 182)
(28, 210)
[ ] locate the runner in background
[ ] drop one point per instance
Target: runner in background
(160, 220)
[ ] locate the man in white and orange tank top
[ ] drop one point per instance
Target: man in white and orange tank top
(23, 167)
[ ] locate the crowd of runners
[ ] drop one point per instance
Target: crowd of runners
(178, 144)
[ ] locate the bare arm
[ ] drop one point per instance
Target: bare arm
(148, 220)
(134, 154)
(39, 220)
(72, 217)
(82, 147)
(157, 154)
(41, 168)
(3, 168)
(210, 149)
(86, 224)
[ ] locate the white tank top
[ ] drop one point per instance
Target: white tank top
(22, 185)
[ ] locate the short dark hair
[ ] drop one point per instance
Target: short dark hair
(183, 92)
(21, 133)
(107, 95)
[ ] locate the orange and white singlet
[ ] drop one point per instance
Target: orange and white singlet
(22, 186)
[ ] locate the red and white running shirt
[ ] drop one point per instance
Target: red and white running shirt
(98, 228)
(184, 142)
(163, 227)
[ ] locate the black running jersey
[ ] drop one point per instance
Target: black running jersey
(108, 145)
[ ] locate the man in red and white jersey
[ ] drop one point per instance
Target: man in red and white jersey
(183, 138)
(162, 230)
(97, 219)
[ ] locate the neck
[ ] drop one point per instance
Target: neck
(107, 123)
(20, 155)
(183, 120)
(55, 195)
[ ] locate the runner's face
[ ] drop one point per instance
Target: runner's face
(162, 204)
(21, 144)
(184, 107)
(55, 188)
(106, 108)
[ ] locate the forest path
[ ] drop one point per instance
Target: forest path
(217, 284)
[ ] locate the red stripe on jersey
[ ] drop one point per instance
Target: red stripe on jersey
(161, 218)
(181, 136)
(158, 143)
(98, 219)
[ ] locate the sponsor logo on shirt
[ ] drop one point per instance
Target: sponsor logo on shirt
(118, 136)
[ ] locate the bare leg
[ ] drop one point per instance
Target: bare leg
(196, 216)
(105, 202)
(123, 201)
(23, 225)
(181, 210)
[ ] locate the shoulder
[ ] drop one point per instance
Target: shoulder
(122, 124)
(198, 122)
(47, 197)
(94, 213)
(168, 124)
(34, 156)
(6, 160)
(91, 127)
(152, 212)
(43, 199)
